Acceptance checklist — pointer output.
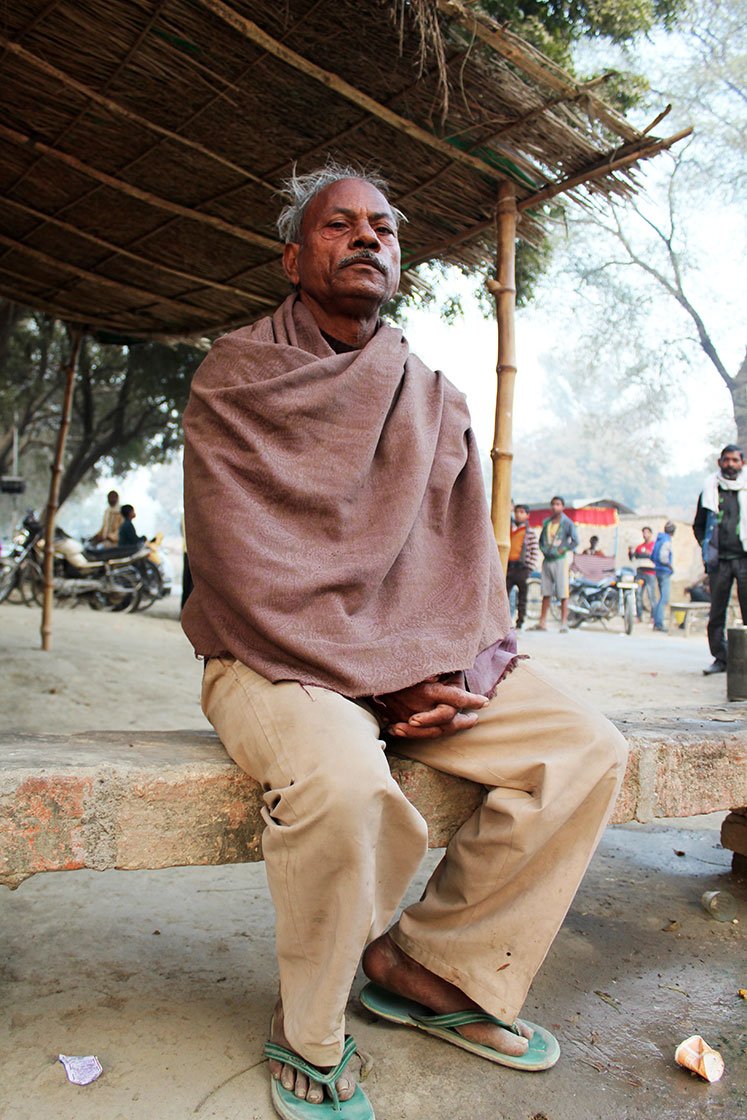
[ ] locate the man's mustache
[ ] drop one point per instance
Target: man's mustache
(367, 257)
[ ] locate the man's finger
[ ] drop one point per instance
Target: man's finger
(460, 722)
(442, 693)
(442, 713)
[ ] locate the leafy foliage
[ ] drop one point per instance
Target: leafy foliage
(127, 404)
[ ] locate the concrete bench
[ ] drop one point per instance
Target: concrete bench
(134, 800)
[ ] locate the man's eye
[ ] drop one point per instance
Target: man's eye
(385, 230)
(336, 225)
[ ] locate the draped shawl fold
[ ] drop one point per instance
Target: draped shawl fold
(336, 521)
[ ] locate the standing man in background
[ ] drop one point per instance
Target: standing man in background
(720, 528)
(645, 569)
(522, 560)
(557, 539)
(664, 569)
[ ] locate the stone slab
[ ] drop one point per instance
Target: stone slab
(164, 799)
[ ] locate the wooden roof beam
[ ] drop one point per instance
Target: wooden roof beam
(23, 140)
(147, 262)
(644, 150)
(96, 278)
(256, 35)
(531, 62)
(614, 162)
(127, 114)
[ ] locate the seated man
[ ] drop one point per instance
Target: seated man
(348, 599)
(127, 532)
(108, 534)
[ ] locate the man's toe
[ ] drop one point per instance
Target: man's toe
(345, 1088)
(314, 1093)
(302, 1085)
(288, 1078)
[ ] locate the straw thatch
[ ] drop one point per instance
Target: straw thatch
(142, 143)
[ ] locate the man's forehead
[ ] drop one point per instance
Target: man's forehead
(350, 195)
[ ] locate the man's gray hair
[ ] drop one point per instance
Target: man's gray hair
(300, 189)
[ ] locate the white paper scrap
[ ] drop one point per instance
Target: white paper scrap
(81, 1071)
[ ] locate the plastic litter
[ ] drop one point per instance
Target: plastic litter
(81, 1071)
(720, 905)
(695, 1054)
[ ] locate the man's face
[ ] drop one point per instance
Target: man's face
(520, 515)
(557, 507)
(348, 258)
(646, 535)
(731, 463)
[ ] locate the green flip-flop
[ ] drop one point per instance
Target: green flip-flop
(542, 1053)
(291, 1107)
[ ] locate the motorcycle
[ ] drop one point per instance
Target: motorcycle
(106, 578)
(601, 600)
(154, 578)
(13, 565)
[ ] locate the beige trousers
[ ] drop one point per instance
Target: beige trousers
(342, 842)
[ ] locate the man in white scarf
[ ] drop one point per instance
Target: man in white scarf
(720, 527)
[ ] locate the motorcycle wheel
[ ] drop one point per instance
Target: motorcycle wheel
(125, 600)
(629, 611)
(152, 585)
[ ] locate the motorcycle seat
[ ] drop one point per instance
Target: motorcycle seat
(594, 584)
(116, 552)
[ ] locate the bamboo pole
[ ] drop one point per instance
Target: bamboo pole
(76, 336)
(504, 291)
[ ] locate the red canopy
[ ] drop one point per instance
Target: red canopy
(594, 515)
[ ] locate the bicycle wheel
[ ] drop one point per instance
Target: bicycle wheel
(8, 573)
(534, 598)
(31, 583)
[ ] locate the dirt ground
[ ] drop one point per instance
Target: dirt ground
(168, 976)
(114, 671)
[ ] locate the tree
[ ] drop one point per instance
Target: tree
(655, 248)
(554, 27)
(127, 404)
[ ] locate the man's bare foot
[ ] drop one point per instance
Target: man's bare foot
(386, 964)
(295, 1081)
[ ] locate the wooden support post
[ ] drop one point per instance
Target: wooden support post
(54, 489)
(504, 290)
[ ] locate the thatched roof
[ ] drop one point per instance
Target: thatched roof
(142, 143)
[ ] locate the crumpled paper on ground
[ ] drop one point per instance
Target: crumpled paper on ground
(695, 1054)
(81, 1071)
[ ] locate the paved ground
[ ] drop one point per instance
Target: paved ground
(169, 976)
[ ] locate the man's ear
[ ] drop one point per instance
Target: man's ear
(290, 259)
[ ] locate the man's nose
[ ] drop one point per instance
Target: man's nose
(364, 236)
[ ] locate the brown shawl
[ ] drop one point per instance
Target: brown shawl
(336, 521)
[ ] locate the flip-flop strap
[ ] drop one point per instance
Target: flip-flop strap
(278, 1053)
(463, 1019)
